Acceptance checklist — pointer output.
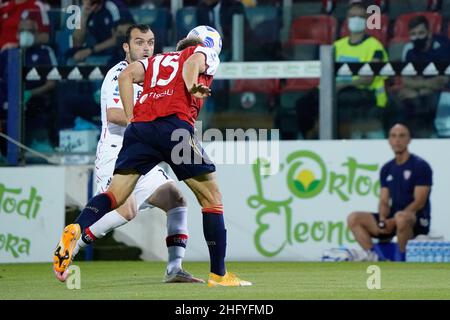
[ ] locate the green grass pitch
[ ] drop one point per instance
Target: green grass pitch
(276, 280)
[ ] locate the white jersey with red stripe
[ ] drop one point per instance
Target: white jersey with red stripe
(110, 98)
(111, 139)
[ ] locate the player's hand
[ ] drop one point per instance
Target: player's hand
(200, 91)
(386, 226)
(82, 54)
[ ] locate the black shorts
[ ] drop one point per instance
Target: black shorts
(167, 139)
(422, 226)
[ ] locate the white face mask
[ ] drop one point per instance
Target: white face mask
(356, 24)
(26, 39)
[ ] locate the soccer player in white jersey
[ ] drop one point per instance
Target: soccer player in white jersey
(155, 189)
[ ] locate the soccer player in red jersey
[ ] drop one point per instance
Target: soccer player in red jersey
(161, 129)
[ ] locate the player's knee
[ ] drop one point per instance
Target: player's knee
(176, 198)
(211, 199)
(127, 212)
(353, 220)
(402, 220)
(167, 197)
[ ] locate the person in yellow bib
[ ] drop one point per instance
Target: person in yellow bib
(360, 99)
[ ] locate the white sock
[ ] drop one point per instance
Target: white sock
(107, 223)
(176, 224)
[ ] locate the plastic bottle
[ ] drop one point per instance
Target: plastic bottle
(412, 251)
(446, 251)
(440, 252)
(433, 251)
(422, 251)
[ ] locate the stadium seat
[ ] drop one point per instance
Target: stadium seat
(320, 29)
(63, 41)
(55, 20)
(401, 24)
(265, 23)
(185, 20)
(380, 34)
(158, 19)
(395, 49)
(301, 84)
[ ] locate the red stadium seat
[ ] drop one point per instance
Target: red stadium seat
(380, 34)
(269, 86)
(401, 32)
(301, 84)
(320, 29)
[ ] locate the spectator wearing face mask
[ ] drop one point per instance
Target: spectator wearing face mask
(37, 95)
(420, 94)
(360, 99)
(10, 15)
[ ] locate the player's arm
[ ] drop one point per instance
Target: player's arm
(192, 68)
(383, 206)
(134, 73)
(420, 199)
(117, 116)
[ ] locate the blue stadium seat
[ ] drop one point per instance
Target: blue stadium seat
(63, 40)
(186, 20)
(55, 23)
(158, 19)
(265, 22)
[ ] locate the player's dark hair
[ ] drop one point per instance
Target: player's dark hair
(403, 124)
(188, 42)
(142, 27)
(357, 4)
(417, 21)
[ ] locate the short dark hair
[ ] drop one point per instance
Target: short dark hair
(417, 21)
(403, 124)
(358, 4)
(188, 42)
(142, 27)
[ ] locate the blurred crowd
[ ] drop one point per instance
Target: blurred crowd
(367, 106)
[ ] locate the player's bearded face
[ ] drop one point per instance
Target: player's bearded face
(141, 45)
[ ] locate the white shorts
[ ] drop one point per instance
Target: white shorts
(145, 187)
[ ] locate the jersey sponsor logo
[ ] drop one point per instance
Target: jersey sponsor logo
(143, 98)
(160, 95)
(116, 100)
(115, 78)
(407, 174)
(389, 178)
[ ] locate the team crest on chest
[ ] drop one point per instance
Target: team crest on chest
(407, 174)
